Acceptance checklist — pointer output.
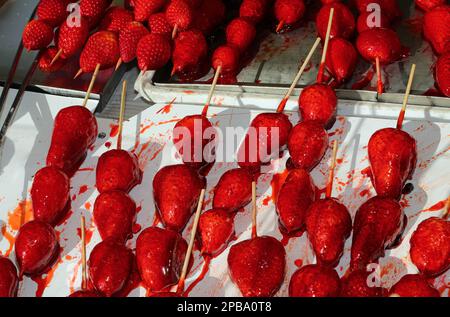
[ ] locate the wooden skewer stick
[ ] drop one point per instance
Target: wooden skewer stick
(254, 212)
(122, 113)
(211, 91)
(447, 209)
(187, 259)
(175, 31)
(57, 56)
(91, 85)
(280, 26)
(380, 88)
(119, 63)
(325, 47)
(332, 168)
(83, 254)
(401, 116)
(283, 102)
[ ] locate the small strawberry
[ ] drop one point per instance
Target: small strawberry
(46, 58)
(37, 35)
(179, 14)
(240, 33)
(129, 38)
(227, 57)
(253, 10)
(144, 8)
(52, 12)
(115, 19)
(101, 48)
(341, 59)
(153, 52)
(71, 38)
(190, 48)
(343, 21)
(443, 73)
(427, 5)
(158, 24)
(209, 15)
(289, 12)
(318, 102)
(436, 27)
(93, 10)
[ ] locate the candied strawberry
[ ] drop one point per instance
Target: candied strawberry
(71, 38)
(442, 73)
(436, 28)
(101, 48)
(341, 59)
(343, 21)
(116, 19)
(240, 33)
(234, 190)
(379, 43)
(190, 48)
(158, 24)
(215, 230)
(318, 102)
(360, 284)
(366, 21)
(179, 14)
(315, 281)
(414, 285)
(289, 12)
(37, 35)
(253, 10)
(227, 57)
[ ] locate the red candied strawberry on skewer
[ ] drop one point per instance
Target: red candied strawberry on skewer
(315, 281)
(190, 50)
(153, 52)
(293, 200)
(413, 285)
(378, 225)
(427, 5)
(159, 255)
(129, 38)
(369, 20)
(328, 237)
(270, 127)
(234, 190)
(176, 190)
(158, 24)
(143, 9)
(344, 22)
(341, 59)
(360, 284)
(180, 16)
(318, 102)
(50, 195)
(442, 73)
(216, 229)
(115, 215)
(46, 63)
(257, 266)
(116, 19)
(93, 10)
(9, 281)
(209, 15)
(52, 12)
(110, 265)
(240, 33)
(288, 13)
(393, 154)
(36, 248)
(389, 8)
(436, 28)
(37, 35)
(380, 47)
(118, 169)
(253, 10)
(225, 61)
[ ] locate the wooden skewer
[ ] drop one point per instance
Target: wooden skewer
(380, 88)
(83, 254)
(187, 258)
(122, 113)
(280, 26)
(57, 56)
(283, 102)
(211, 91)
(325, 47)
(401, 116)
(119, 63)
(332, 168)
(254, 212)
(91, 85)
(175, 31)
(447, 209)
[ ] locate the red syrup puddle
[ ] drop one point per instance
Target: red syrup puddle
(200, 278)
(83, 189)
(136, 228)
(43, 282)
(365, 81)
(436, 207)
(286, 237)
(108, 144)
(298, 263)
(364, 193)
(114, 130)
(167, 108)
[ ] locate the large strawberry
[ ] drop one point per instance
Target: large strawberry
(144, 8)
(289, 12)
(129, 38)
(215, 230)
(158, 24)
(37, 35)
(379, 43)
(72, 37)
(240, 33)
(116, 19)
(442, 73)
(427, 5)
(153, 52)
(226, 57)
(93, 10)
(318, 102)
(436, 28)
(101, 48)
(189, 50)
(343, 21)
(179, 14)
(52, 12)
(341, 59)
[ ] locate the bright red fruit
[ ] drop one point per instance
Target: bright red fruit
(52, 12)
(179, 14)
(116, 19)
(46, 58)
(257, 266)
(153, 52)
(215, 230)
(389, 8)
(289, 11)
(143, 9)
(190, 49)
(129, 38)
(341, 59)
(36, 248)
(101, 48)
(37, 35)
(93, 10)
(50, 195)
(71, 38)
(436, 28)
(360, 283)
(318, 102)
(315, 281)
(442, 73)
(343, 21)
(234, 190)
(227, 57)
(158, 24)
(253, 10)
(414, 285)
(381, 43)
(240, 33)
(427, 5)
(9, 281)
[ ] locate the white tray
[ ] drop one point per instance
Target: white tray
(149, 135)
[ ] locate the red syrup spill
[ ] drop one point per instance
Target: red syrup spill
(200, 278)
(108, 144)
(83, 189)
(136, 228)
(286, 237)
(167, 108)
(114, 130)
(436, 207)
(365, 193)
(298, 263)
